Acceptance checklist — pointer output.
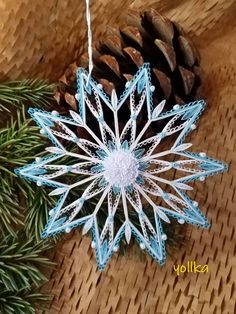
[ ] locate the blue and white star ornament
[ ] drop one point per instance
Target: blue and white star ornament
(122, 169)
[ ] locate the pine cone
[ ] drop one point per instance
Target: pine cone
(147, 37)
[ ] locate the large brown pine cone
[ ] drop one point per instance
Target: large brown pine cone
(146, 37)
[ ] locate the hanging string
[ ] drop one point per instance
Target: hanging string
(90, 50)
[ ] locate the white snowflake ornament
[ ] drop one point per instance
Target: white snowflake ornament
(119, 168)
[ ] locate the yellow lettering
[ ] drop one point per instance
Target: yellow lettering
(190, 267)
(205, 269)
(176, 269)
(183, 268)
(197, 268)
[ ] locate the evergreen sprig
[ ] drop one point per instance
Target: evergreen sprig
(20, 142)
(21, 302)
(38, 205)
(22, 259)
(37, 92)
(21, 263)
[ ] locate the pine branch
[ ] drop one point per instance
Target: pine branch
(21, 252)
(21, 260)
(21, 302)
(20, 142)
(11, 216)
(38, 207)
(21, 263)
(37, 92)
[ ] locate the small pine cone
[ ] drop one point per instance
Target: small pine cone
(146, 37)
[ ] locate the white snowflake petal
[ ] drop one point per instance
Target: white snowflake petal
(127, 233)
(88, 225)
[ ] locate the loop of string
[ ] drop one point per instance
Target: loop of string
(90, 49)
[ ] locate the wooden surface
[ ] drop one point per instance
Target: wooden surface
(128, 285)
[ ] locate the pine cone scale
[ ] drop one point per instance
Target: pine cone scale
(165, 83)
(168, 53)
(134, 55)
(163, 27)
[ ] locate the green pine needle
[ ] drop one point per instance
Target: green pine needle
(22, 260)
(38, 207)
(21, 263)
(35, 92)
(20, 142)
(21, 302)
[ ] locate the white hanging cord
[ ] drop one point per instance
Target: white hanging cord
(90, 50)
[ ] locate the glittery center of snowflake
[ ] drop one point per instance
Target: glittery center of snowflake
(120, 168)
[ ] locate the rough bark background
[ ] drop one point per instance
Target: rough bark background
(39, 39)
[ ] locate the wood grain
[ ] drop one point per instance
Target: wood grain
(129, 285)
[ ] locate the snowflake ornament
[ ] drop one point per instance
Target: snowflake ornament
(118, 167)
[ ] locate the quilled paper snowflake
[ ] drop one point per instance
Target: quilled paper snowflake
(118, 167)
